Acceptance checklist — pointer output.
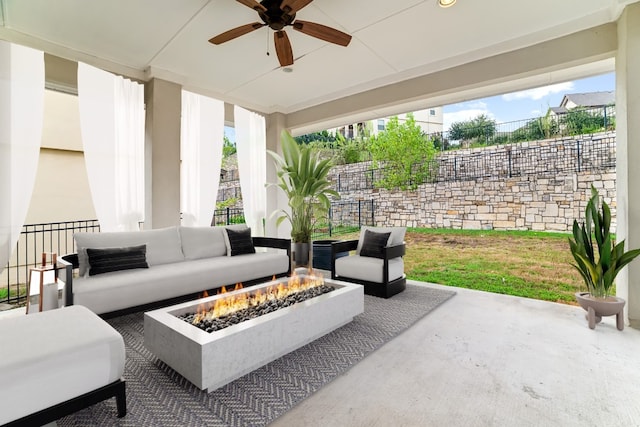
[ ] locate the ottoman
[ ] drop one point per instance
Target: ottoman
(56, 362)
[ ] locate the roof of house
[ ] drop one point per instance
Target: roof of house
(559, 110)
(590, 99)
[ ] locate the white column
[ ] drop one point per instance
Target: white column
(628, 154)
(275, 197)
(162, 153)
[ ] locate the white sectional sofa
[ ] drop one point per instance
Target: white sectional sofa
(181, 261)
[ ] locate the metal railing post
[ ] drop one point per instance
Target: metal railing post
(579, 156)
(330, 220)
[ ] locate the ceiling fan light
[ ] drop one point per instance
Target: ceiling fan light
(446, 3)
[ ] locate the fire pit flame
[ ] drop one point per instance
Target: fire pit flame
(237, 302)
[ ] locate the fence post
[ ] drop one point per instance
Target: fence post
(579, 154)
(455, 167)
(331, 218)
(228, 215)
(509, 157)
(372, 213)
(339, 182)
(359, 213)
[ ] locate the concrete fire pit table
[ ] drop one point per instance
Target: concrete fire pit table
(211, 360)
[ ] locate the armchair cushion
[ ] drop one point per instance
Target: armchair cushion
(367, 268)
(396, 237)
(374, 244)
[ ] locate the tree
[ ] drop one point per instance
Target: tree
(480, 128)
(228, 147)
(322, 136)
(405, 151)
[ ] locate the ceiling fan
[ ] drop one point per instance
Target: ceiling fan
(277, 14)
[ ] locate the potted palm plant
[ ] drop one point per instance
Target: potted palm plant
(302, 175)
(599, 269)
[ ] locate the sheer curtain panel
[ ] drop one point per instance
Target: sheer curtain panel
(21, 115)
(251, 146)
(112, 127)
(201, 140)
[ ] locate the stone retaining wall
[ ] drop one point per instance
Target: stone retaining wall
(543, 201)
(546, 198)
(527, 203)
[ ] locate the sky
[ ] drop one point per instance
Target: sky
(525, 104)
(522, 105)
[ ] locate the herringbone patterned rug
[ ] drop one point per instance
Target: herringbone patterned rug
(158, 396)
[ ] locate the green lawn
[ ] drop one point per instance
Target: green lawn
(528, 264)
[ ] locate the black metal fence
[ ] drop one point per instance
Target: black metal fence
(34, 240)
(228, 216)
(345, 217)
(575, 156)
(577, 121)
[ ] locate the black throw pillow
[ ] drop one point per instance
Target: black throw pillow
(374, 244)
(116, 259)
(240, 241)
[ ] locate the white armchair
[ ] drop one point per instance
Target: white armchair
(377, 263)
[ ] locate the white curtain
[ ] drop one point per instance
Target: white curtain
(21, 115)
(201, 140)
(251, 146)
(112, 127)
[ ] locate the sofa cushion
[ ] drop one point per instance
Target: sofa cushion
(163, 244)
(52, 356)
(202, 242)
(367, 268)
(115, 259)
(396, 237)
(226, 237)
(240, 242)
(129, 288)
(374, 244)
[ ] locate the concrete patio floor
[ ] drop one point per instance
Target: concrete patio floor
(483, 359)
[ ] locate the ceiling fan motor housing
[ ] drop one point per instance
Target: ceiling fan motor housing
(275, 17)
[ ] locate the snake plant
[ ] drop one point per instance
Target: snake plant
(598, 269)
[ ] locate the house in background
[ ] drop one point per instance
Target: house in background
(430, 120)
(585, 100)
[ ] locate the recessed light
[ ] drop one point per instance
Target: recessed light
(287, 69)
(446, 3)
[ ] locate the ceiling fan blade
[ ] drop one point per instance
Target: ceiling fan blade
(235, 32)
(283, 48)
(322, 32)
(293, 6)
(253, 4)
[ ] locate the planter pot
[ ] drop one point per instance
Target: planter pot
(322, 254)
(301, 251)
(597, 308)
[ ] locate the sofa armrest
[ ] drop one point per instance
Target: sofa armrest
(65, 266)
(275, 243)
(396, 251)
(341, 246)
(272, 242)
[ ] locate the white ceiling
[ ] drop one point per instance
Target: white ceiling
(392, 40)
